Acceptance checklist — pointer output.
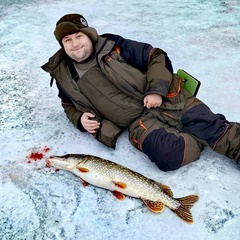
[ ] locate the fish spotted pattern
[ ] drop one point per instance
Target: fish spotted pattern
(121, 180)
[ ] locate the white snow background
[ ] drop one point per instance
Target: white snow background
(200, 36)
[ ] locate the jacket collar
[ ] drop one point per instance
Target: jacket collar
(102, 48)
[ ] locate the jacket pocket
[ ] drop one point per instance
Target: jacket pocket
(175, 99)
(108, 133)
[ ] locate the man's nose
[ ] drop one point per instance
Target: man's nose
(75, 42)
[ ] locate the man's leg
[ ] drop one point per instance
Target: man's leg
(229, 143)
(222, 136)
(171, 150)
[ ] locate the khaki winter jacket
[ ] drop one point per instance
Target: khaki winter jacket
(112, 74)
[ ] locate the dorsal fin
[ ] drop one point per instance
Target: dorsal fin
(165, 189)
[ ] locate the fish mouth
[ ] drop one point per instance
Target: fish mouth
(60, 162)
(48, 162)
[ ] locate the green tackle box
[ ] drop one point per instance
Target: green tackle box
(190, 83)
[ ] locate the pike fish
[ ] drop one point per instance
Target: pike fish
(123, 181)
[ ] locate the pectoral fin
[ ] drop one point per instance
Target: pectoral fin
(120, 184)
(82, 169)
(156, 207)
(118, 195)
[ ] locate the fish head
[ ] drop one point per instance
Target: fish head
(67, 162)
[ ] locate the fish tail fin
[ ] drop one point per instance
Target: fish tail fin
(184, 210)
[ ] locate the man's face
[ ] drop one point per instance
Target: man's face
(78, 46)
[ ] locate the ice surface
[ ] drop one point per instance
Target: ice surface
(200, 36)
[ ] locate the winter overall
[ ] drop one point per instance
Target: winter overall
(171, 135)
(177, 137)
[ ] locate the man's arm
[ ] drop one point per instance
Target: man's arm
(153, 61)
(70, 110)
(135, 53)
(159, 73)
(73, 115)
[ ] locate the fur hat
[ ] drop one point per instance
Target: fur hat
(72, 23)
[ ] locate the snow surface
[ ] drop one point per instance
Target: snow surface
(200, 36)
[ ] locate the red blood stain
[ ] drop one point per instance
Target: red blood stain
(46, 149)
(39, 155)
(36, 156)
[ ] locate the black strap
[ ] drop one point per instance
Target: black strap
(71, 67)
(72, 70)
(51, 81)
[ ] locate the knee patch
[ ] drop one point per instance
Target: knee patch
(165, 149)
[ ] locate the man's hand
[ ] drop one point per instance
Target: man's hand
(88, 124)
(152, 100)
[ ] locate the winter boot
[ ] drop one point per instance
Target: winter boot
(229, 143)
